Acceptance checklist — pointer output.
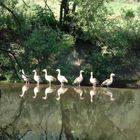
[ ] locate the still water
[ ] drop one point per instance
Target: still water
(68, 113)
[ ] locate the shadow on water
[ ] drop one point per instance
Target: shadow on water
(68, 113)
(0, 94)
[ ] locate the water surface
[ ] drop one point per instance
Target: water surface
(68, 113)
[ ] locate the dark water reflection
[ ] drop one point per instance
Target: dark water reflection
(68, 113)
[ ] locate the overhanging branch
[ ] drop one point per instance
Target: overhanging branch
(12, 12)
(25, 4)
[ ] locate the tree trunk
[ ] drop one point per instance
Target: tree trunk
(64, 11)
(61, 12)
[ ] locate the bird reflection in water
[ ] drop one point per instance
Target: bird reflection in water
(79, 91)
(24, 89)
(48, 90)
(60, 91)
(108, 93)
(92, 93)
(36, 90)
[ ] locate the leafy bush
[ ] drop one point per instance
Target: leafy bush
(44, 46)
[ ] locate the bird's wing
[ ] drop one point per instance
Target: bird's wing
(76, 80)
(52, 77)
(65, 79)
(24, 75)
(39, 78)
(27, 76)
(96, 80)
(105, 82)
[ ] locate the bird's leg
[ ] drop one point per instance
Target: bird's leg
(94, 85)
(37, 83)
(49, 83)
(79, 84)
(62, 84)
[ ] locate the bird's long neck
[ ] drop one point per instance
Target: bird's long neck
(46, 73)
(59, 73)
(35, 73)
(111, 77)
(23, 72)
(91, 75)
(81, 75)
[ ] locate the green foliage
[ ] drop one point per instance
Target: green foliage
(43, 47)
(90, 14)
(43, 16)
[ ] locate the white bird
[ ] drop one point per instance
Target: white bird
(92, 93)
(36, 77)
(79, 91)
(24, 89)
(109, 81)
(60, 91)
(48, 90)
(24, 76)
(36, 90)
(49, 78)
(79, 79)
(92, 80)
(62, 79)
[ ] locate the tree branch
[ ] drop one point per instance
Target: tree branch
(26, 4)
(61, 12)
(13, 65)
(46, 5)
(12, 12)
(11, 53)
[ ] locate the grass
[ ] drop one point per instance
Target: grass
(117, 6)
